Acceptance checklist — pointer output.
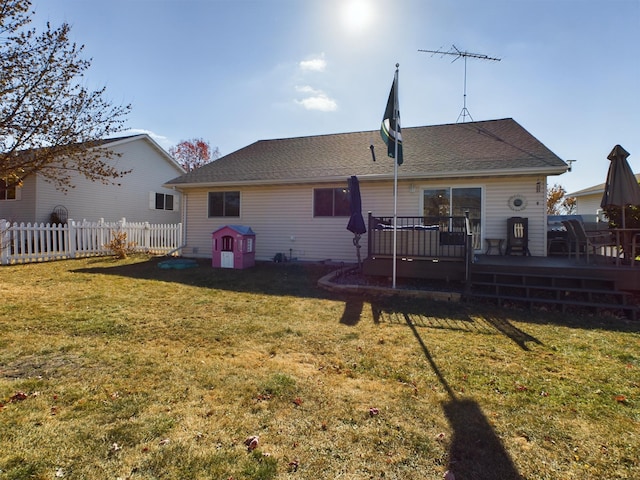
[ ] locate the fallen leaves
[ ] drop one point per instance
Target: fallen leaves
(252, 442)
(18, 397)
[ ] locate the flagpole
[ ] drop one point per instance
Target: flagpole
(395, 176)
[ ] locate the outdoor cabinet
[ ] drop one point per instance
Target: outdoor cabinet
(517, 235)
(233, 246)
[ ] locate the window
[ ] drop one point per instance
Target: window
(164, 201)
(7, 192)
(224, 204)
(331, 202)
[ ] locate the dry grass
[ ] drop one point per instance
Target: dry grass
(119, 369)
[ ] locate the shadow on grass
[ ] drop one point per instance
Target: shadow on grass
(449, 316)
(292, 279)
(300, 279)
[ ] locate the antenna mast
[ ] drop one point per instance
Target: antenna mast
(460, 54)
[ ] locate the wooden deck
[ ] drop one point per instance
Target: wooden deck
(439, 249)
(555, 282)
(625, 277)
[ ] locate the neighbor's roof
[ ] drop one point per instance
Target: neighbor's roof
(488, 148)
(596, 189)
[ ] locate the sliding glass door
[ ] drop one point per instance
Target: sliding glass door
(454, 202)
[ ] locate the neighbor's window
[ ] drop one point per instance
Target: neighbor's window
(224, 204)
(331, 202)
(164, 201)
(7, 192)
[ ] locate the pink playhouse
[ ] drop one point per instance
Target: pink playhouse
(233, 247)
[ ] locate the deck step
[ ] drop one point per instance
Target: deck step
(559, 291)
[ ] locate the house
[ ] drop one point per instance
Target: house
(588, 201)
(139, 197)
(292, 192)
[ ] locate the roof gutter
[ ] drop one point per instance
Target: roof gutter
(376, 177)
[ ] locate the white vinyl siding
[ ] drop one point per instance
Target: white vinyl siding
(95, 200)
(588, 204)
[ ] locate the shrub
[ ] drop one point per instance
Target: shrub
(119, 245)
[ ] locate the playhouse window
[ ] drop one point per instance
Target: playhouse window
(224, 204)
(227, 243)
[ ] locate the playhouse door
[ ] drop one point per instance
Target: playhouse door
(226, 259)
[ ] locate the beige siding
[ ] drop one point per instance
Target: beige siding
(282, 217)
(497, 210)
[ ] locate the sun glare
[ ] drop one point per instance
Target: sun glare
(357, 15)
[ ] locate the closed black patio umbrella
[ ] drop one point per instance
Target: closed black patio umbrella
(356, 222)
(621, 188)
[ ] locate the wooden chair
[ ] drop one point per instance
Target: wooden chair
(589, 240)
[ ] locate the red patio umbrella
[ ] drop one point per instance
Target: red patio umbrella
(621, 188)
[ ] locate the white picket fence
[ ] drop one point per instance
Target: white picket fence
(24, 243)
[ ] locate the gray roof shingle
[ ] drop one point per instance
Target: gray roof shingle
(494, 147)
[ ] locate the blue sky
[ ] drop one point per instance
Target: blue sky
(237, 71)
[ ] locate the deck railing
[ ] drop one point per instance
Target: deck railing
(425, 238)
(428, 237)
(25, 243)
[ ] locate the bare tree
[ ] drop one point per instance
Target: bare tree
(192, 154)
(49, 123)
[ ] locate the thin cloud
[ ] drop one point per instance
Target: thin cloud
(318, 64)
(316, 100)
(163, 141)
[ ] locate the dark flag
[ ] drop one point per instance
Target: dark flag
(390, 128)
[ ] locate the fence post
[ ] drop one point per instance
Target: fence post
(5, 242)
(71, 238)
(147, 237)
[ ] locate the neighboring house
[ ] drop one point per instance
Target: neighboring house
(140, 197)
(292, 192)
(588, 199)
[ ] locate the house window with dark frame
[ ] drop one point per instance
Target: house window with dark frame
(331, 202)
(7, 192)
(164, 201)
(224, 204)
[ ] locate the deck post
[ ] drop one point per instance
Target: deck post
(468, 251)
(370, 245)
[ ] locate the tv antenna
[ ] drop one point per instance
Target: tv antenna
(455, 52)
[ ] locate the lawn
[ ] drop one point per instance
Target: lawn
(120, 369)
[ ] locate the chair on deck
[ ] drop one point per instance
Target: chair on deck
(517, 235)
(587, 240)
